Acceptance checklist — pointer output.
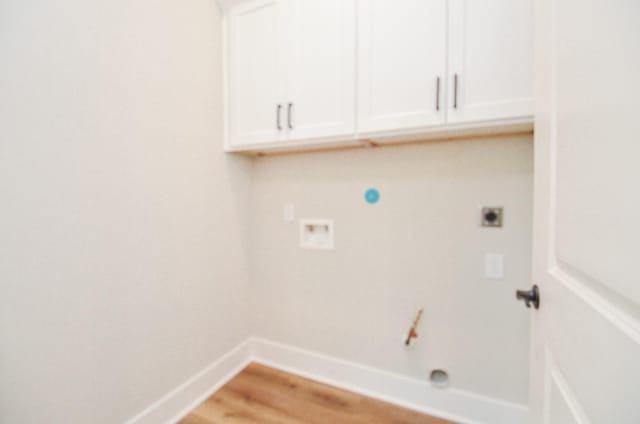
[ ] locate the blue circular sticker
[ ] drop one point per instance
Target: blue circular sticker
(372, 196)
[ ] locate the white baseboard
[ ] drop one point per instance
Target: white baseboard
(176, 404)
(452, 404)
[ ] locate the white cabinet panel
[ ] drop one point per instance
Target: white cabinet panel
(255, 84)
(402, 54)
(320, 68)
(490, 59)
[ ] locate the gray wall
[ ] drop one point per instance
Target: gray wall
(421, 246)
(122, 266)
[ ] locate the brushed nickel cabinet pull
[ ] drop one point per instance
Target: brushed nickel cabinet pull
(455, 91)
(438, 93)
(289, 118)
(278, 109)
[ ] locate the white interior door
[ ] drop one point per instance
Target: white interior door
(255, 75)
(586, 334)
(401, 64)
(490, 59)
(320, 69)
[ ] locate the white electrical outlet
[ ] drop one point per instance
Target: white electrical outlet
(288, 212)
(494, 266)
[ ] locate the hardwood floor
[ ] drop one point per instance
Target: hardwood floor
(264, 395)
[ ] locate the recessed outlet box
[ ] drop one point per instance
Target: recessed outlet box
(316, 234)
(492, 217)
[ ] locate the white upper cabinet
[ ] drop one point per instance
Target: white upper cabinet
(291, 71)
(254, 72)
(295, 76)
(402, 64)
(490, 60)
(320, 70)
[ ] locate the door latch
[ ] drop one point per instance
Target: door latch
(529, 297)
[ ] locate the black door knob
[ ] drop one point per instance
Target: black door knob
(529, 297)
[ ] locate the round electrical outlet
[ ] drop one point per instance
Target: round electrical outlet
(492, 216)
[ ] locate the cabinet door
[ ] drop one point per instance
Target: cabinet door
(254, 73)
(401, 64)
(490, 60)
(320, 69)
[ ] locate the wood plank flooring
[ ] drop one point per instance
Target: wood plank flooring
(267, 396)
